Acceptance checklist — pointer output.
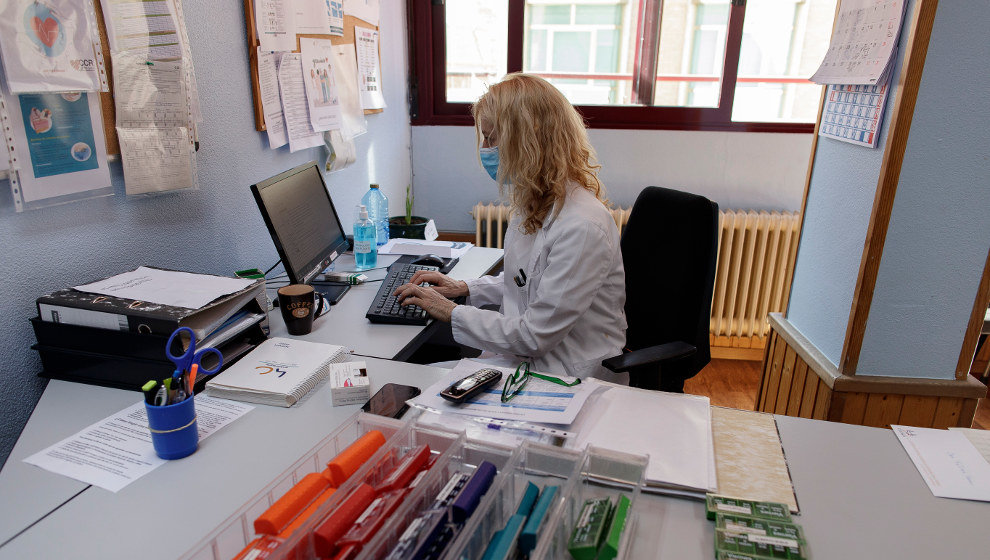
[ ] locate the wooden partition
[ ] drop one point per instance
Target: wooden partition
(798, 380)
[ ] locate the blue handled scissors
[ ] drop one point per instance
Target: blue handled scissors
(184, 362)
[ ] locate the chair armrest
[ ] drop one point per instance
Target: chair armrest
(649, 355)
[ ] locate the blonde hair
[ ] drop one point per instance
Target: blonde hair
(542, 145)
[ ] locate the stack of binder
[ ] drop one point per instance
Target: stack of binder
(119, 342)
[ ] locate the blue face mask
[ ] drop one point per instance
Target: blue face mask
(489, 159)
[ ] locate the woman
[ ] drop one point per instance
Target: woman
(562, 294)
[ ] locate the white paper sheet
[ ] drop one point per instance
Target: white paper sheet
(345, 75)
(154, 95)
(156, 159)
(445, 249)
(542, 401)
(369, 68)
(148, 28)
(950, 465)
(117, 450)
(979, 438)
(276, 23)
(59, 143)
(271, 103)
(51, 46)
(167, 287)
(294, 104)
(336, 9)
(366, 10)
(312, 17)
(863, 41)
(681, 449)
(321, 87)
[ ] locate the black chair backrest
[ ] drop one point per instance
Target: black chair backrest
(669, 249)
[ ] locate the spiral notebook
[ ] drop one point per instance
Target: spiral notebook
(279, 372)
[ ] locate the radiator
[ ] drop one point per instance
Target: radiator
(753, 277)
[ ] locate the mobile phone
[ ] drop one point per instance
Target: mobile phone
(463, 389)
(390, 400)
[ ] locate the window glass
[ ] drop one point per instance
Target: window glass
(783, 43)
(692, 52)
(477, 42)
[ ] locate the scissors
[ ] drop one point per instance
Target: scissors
(185, 361)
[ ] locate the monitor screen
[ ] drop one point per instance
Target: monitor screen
(300, 216)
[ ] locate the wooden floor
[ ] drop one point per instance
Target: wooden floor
(734, 383)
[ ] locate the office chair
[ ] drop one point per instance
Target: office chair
(669, 248)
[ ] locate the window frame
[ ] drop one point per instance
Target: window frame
(427, 79)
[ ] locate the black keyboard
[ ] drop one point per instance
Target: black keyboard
(386, 308)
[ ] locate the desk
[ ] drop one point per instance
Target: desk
(346, 325)
(860, 495)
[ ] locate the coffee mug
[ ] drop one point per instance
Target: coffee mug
(296, 304)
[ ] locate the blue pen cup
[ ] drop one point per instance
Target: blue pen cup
(173, 428)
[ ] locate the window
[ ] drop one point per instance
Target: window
(662, 64)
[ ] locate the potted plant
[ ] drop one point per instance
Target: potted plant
(408, 226)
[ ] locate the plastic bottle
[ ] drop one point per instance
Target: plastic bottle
(365, 248)
(377, 204)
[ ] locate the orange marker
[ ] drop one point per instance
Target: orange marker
(325, 536)
(285, 509)
(341, 467)
(192, 379)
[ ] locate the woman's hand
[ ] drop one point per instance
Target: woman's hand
(438, 306)
(443, 284)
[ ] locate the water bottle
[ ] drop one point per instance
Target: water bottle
(377, 204)
(365, 248)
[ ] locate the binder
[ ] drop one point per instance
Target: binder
(74, 307)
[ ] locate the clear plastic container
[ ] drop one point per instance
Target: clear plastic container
(543, 466)
(230, 538)
(377, 204)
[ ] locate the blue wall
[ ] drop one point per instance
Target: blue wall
(216, 229)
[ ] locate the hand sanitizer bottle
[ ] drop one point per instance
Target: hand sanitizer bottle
(365, 248)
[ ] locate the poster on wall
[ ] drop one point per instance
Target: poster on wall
(369, 68)
(57, 138)
(51, 45)
(321, 87)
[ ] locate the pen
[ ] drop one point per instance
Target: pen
(520, 278)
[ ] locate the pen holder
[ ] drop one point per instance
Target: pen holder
(173, 429)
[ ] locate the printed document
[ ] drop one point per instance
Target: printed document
(276, 25)
(950, 465)
(369, 69)
(117, 450)
(271, 103)
(541, 401)
(365, 10)
(294, 104)
(862, 47)
(321, 87)
(445, 249)
(167, 287)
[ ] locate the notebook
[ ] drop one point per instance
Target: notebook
(279, 371)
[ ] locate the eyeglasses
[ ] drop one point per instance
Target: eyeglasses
(516, 382)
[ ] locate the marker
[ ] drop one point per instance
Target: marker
(467, 500)
(149, 395)
(192, 379)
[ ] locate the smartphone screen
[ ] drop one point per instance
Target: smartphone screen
(390, 400)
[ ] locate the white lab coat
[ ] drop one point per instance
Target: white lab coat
(569, 315)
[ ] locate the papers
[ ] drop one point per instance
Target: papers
(271, 104)
(51, 46)
(116, 451)
(58, 142)
(279, 372)
(294, 104)
(167, 287)
(369, 68)
(313, 17)
(861, 50)
(950, 465)
(979, 438)
(321, 88)
(680, 434)
(276, 25)
(542, 401)
(853, 113)
(445, 249)
(365, 10)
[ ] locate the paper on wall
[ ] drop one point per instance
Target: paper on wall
(294, 105)
(854, 113)
(862, 47)
(336, 9)
(271, 103)
(369, 69)
(156, 159)
(365, 10)
(353, 122)
(276, 23)
(312, 17)
(321, 88)
(59, 144)
(51, 46)
(117, 450)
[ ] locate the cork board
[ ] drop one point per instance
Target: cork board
(253, 43)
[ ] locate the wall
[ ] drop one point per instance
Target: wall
(737, 170)
(939, 231)
(216, 229)
(840, 200)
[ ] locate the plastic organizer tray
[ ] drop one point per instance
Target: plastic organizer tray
(580, 475)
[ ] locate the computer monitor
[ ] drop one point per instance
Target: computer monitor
(301, 218)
